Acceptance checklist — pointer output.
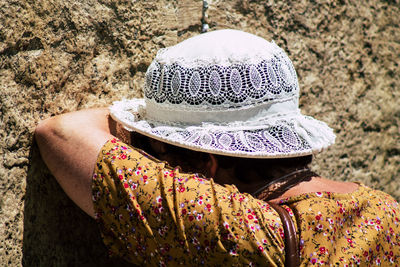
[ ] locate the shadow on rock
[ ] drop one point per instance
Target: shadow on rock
(56, 231)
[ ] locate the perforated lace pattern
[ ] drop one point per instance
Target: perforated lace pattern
(287, 136)
(278, 139)
(218, 86)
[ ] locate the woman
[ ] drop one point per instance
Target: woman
(224, 105)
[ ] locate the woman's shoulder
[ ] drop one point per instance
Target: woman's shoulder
(351, 191)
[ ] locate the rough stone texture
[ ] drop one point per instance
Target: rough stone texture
(58, 56)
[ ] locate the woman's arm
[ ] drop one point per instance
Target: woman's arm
(69, 145)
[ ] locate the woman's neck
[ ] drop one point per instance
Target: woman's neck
(250, 180)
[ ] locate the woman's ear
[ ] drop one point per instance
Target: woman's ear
(212, 165)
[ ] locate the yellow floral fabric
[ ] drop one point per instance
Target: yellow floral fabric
(152, 214)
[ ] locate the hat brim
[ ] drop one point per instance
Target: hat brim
(292, 135)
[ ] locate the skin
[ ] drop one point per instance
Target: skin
(69, 145)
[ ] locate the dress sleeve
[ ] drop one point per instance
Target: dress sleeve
(153, 214)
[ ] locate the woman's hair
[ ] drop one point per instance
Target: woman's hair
(190, 160)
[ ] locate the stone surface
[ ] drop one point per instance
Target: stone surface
(58, 56)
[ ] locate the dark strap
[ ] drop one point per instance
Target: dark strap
(278, 187)
(292, 254)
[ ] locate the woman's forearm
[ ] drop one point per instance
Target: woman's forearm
(69, 145)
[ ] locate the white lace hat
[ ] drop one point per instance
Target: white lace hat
(225, 92)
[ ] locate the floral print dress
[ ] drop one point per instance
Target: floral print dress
(152, 214)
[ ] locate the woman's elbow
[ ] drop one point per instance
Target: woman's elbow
(42, 130)
(46, 130)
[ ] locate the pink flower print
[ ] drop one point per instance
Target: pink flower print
(318, 194)
(156, 210)
(281, 233)
(200, 202)
(195, 241)
(378, 261)
(250, 217)
(123, 156)
(161, 209)
(199, 216)
(133, 186)
(252, 228)
(137, 172)
(330, 221)
(120, 177)
(181, 188)
(260, 248)
(264, 241)
(159, 199)
(319, 227)
(226, 225)
(313, 260)
(318, 216)
(126, 185)
(161, 231)
(289, 211)
(233, 252)
(322, 250)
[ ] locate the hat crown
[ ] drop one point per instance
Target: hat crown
(226, 69)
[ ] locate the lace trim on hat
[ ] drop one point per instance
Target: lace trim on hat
(214, 86)
(170, 55)
(286, 136)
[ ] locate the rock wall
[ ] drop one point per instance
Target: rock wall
(58, 56)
